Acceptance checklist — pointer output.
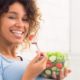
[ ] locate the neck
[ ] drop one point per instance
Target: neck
(7, 49)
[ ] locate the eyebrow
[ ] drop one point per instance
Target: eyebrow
(12, 12)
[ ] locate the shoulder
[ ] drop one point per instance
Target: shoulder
(0, 60)
(3, 61)
(1, 65)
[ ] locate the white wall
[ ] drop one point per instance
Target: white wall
(75, 39)
(54, 30)
(75, 26)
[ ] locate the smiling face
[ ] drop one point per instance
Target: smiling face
(14, 24)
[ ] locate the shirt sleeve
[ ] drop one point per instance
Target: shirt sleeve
(1, 71)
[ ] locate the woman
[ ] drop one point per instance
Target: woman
(18, 19)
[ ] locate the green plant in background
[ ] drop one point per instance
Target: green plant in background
(56, 62)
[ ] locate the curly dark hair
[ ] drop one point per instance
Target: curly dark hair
(31, 9)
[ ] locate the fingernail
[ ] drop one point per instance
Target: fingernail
(41, 54)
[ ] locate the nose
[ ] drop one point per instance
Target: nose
(20, 23)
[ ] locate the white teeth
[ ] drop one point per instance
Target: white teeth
(17, 32)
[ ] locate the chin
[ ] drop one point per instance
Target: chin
(17, 41)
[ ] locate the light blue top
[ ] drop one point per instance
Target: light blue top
(11, 69)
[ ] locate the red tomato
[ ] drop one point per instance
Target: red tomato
(59, 65)
(31, 37)
(49, 64)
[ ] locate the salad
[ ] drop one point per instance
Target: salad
(56, 63)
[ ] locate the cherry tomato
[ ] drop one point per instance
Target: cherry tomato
(31, 37)
(59, 65)
(49, 64)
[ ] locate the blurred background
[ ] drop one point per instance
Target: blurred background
(60, 31)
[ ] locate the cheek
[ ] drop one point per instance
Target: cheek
(27, 28)
(4, 27)
(7, 22)
(3, 31)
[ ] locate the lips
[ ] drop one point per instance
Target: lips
(17, 33)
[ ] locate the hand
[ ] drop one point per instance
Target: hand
(62, 74)
(36, 66)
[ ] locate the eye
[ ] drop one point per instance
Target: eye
(25, 19)
(12, 17)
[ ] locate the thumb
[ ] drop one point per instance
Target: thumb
(36, 58)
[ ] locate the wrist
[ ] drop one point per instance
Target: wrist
(27, 77)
